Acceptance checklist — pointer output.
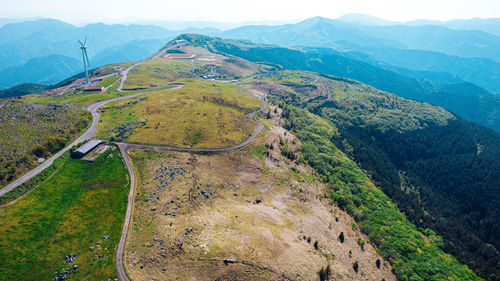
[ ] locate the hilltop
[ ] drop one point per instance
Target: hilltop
(244, 169)
(465, 99)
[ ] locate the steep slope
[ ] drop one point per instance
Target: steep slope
(194, 212)
(241, 215)
(23, 89)
(273, 209)
(440, 169)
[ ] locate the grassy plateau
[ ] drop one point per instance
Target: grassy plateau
(202, 114)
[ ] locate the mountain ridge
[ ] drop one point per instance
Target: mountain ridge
(473, 100)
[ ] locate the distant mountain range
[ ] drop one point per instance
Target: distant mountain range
(53, 46)
(491, 25)
(435, 52)
(463, 98)
(323, 32)
(453, 64)
(469, 55)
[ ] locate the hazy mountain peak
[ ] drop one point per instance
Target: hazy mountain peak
(364, 19)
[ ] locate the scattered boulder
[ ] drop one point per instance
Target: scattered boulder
(227, 261)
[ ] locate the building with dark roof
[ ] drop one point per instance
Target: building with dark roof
(85, 148)
(93, 89)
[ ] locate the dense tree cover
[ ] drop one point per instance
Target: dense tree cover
(441, 170)
(444, 178)
(414, 254)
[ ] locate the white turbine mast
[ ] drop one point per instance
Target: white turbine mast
(85, 57)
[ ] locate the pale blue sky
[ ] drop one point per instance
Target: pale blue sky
(250, 10)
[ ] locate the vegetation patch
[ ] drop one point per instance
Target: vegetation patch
(413, 254)
(33, 131)
(77, 214)
(236, 216)
(157, 73)
(32, 183)
(202, 114)
(83, 98)
(109, 80)
(425, 159)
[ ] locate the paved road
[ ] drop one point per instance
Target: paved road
(119, 252)
(85, 136)
(124, 148)
(154, 57)
(93, 108)
(90, 132)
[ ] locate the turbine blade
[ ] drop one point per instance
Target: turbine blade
(80, 42)
(86, 57)
(85, 43)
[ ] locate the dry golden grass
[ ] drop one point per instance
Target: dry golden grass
(202, 114)
(266, 238)
(157, 73)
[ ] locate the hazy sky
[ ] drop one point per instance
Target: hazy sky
(249, 10)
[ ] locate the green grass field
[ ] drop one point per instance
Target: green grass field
(288, 76)
(29, 131)
(109, 80)
(66, 214)
(202, 114)
(157, 73)
(82, 98)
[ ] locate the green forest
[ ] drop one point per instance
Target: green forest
(442, 171)
(414, 254)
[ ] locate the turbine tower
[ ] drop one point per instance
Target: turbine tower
(85, 58)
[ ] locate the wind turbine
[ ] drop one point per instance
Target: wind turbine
(85, 57)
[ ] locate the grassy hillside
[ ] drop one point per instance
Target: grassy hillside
(278, 208)
(23, 89)
(80, 97)
(467, 100)
(423, 157)
(414, 254)
(202, 114)
(68, 213)
(30, 131)
(194, 210)
(158, 73)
